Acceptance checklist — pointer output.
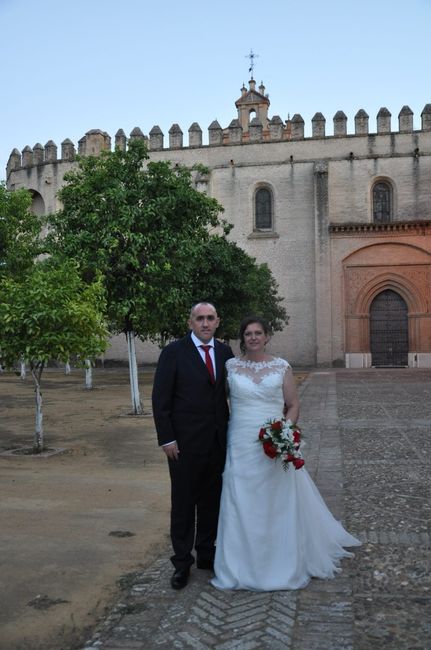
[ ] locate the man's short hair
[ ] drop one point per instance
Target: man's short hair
(202, 302)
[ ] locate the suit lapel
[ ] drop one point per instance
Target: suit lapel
(219, 369)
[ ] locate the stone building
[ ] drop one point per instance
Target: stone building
(343, 220)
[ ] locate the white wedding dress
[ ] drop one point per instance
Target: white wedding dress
(275, 531)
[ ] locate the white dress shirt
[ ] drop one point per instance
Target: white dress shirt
(198, 344)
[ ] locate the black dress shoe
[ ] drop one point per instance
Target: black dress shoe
(208, 565)
(180, 578)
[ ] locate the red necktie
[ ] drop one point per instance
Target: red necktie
(208, 361)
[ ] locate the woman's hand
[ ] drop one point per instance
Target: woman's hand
(291, 400)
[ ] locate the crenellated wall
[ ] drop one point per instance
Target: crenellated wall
(259, 130)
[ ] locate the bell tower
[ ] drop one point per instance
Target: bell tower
(251, 105)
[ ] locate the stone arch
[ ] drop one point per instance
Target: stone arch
(37, 203)
(388, 280)
(38, 207)
(370, 270)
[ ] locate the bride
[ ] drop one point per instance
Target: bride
(274, 531)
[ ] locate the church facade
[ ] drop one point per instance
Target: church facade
(343, 220)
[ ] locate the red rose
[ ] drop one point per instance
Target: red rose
(269, 449)
(296, 436)
(261, 433)
(277, 425)
(298, 463)
(290, 458)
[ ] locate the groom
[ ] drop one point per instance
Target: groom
(191, 413)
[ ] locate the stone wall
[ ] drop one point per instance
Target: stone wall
(317, 183)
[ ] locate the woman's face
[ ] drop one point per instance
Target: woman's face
(255, 338)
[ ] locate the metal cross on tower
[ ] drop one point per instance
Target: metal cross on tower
(252, 56)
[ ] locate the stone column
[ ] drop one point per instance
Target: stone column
(322, 249)
(82, 146)
(175, 137)
(67, 150)
(50, 151)
(215, 134)
(318, 126)
(340, 123)
(426, 118)
(235, 132)
(361, 122)
(120, 140)
(255, 130)
(27, 156)
(297, 127)
(137, 134)
(405, 120)
(156, 138)
(383, 121)
(14, 161)
(275, 127)
(195, 135)
(38, 154)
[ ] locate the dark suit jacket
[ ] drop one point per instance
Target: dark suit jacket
(187, 407)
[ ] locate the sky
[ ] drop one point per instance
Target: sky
(68, 67)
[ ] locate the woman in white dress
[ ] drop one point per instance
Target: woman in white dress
(275, 531)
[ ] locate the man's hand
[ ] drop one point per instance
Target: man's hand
(171, 451)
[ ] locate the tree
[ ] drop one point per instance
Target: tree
(20, 240)
(142, 226)
(50, 314)
(20, 229)
(226, 275)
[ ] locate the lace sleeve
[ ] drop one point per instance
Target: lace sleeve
(229, 363)
(286, 365)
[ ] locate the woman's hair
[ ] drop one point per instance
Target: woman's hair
(248, 321)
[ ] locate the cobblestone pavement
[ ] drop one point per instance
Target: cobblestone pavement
(368, 448)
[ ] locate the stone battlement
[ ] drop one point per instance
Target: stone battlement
(252, 126)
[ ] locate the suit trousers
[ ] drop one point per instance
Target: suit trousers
(196, 481)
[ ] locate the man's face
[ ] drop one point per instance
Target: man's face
(204, 322)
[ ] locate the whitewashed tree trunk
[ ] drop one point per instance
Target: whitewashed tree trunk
(36, 371)
(133, 372)
(23, 372)
(67, 369)
(88, 375)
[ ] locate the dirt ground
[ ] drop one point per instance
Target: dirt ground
(59, 561)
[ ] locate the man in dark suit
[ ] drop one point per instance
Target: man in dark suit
(191, 413)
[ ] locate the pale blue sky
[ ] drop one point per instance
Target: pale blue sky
(85, 64)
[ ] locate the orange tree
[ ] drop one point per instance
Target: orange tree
(141, 225)
(50, 313)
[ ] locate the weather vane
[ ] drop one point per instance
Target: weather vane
(252, 56)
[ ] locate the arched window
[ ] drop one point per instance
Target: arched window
(263, 209)
(382, 202)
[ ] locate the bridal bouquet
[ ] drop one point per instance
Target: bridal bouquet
(282, 439)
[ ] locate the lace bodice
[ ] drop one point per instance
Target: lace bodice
(255, 393)
(257, 370)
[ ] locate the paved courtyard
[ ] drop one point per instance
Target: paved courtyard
(368, 448)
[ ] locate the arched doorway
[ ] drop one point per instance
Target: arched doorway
(389, 330)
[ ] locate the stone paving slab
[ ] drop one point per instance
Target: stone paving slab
(367, 436)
